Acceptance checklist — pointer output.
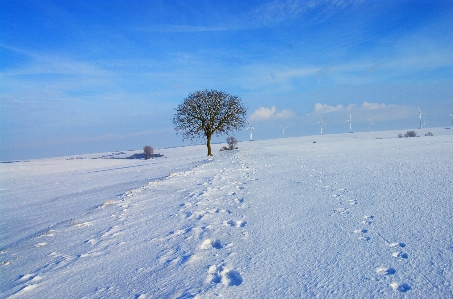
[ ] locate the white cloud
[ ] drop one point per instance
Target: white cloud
(264, 113)
(377, 112)
(324, 108)
(285, 113)
(373, 106)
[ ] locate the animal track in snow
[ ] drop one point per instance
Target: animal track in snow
(397, 244)
(400, 255)
(49, 233)
(352, 202)
(358, 231)
(237, 223)
(211, 243)
(342, 211)
(385, 271)
(83, 224)
(227, 277)
(400, 287)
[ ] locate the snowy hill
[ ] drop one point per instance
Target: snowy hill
(364, 215)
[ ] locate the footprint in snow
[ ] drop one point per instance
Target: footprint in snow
(227, 277)
(400, 287)
(85, 224)
(367, 219)
(342, 211)
(359, 231)
(385, 271)
(352, 202)
(239, 200)
(400, 255)
(397, 244)
(237, 223)
(211, 243)
(49, 233)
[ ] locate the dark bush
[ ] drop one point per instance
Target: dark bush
(410, 134)
(232, 142)
(400, 135)
(149, 152)
(429, 134)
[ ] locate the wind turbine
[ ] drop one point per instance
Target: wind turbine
(451, 119)
(350, 123)
(283, 130)
(420, 116)
(321, 124)
(371, 129)
(250, 130)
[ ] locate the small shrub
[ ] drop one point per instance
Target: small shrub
(410, 134)
(400, 135)
(429, 134)
(149, 152)
(232, 142)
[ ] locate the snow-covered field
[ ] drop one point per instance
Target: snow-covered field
(364, 215)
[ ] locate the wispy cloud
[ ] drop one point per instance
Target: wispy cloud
(282, 10)
(325, 108)
(264, 113)
(185, 28)
(361, 112)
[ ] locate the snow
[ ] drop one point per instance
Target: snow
(363, 215)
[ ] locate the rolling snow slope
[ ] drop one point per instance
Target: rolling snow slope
(350, 216)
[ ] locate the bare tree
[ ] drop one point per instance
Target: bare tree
(149, 152)
(208, 112)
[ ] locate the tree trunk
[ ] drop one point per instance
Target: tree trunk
(208, 144)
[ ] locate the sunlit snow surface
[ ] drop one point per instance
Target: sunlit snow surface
(364, 215)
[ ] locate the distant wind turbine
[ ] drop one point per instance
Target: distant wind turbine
(350, 123)
(420, 116)
(250, 130)
(321, 124)
(283, 128)
(451, 114)
(371, 129)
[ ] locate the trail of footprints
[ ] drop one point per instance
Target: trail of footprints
(363, 230)
(216, 207)
(97, 244)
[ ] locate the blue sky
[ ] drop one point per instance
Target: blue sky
(94, 76)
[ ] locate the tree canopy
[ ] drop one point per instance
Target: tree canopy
(208, 112)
